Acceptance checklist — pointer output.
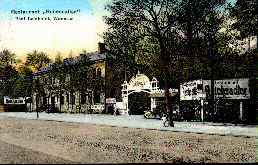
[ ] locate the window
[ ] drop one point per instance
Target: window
(96, 96)
(94, 72)
(53, 100)
(67, 98)
(72, 98)
(90, 97)
(83, 97)
(99, 72)
(61, 99)
(194, 91)
(199, 87)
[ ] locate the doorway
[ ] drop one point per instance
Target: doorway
(138, 103)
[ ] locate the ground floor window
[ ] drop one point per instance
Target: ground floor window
(61, 99)
(90, 97)
(53, 100)
(83, 97)
(73, 98)
(67, 98)
(96, 96)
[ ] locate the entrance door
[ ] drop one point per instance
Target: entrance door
(110, 109)
(138, 103)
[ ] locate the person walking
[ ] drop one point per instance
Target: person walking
(164, 120)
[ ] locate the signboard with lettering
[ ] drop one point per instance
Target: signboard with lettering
(139, 82)
(189, 90)
(111, 100)
(97, 107)
(223, 89)
(228, 89)
(14, 100)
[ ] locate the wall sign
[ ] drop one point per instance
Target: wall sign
(223, 89)
(190, 90)
(228, 89)
(14, 100)
(111, 100)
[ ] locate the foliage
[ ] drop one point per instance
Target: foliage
(8, 73)
(177, 41)
(160, 108)
(137, 23)
(23, 85)
(245, 14)
(37, 59)
(7, 58)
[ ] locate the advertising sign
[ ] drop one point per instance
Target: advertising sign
(97, 107)
(228, 88)
(189, 90)
(223, 89)
(111, 100)
(139, 82)
(14, 100)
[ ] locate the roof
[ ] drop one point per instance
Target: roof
(95, 56)
(162, 94)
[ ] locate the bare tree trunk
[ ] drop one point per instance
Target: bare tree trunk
(212, 90)
(105, 86)
(37, 106)
(59, 102)
(249, 43)
(212, 65)
(48, 104)
(165, 62)
(30, 103)
(72, 100)
(79, 94)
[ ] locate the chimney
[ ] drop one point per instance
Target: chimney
(102, 48)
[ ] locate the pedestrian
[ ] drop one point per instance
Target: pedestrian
(164, 119)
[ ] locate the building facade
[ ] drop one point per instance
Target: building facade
(59, 90)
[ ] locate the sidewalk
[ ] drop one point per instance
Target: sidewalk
(139, 121)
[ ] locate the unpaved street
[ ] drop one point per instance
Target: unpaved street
(38, 141)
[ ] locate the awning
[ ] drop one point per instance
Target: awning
(162, 94)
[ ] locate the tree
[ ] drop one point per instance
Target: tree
(23, 84)
(245, 14)
(151, 19)
(37, 60)
(8, 73)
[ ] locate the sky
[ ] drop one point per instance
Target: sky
(22, 36)
(52, 36)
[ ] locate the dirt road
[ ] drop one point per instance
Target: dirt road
(66, 142)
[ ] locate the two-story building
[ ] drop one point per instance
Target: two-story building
(53, 92)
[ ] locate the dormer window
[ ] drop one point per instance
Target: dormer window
(94, 72)
(98, 72)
